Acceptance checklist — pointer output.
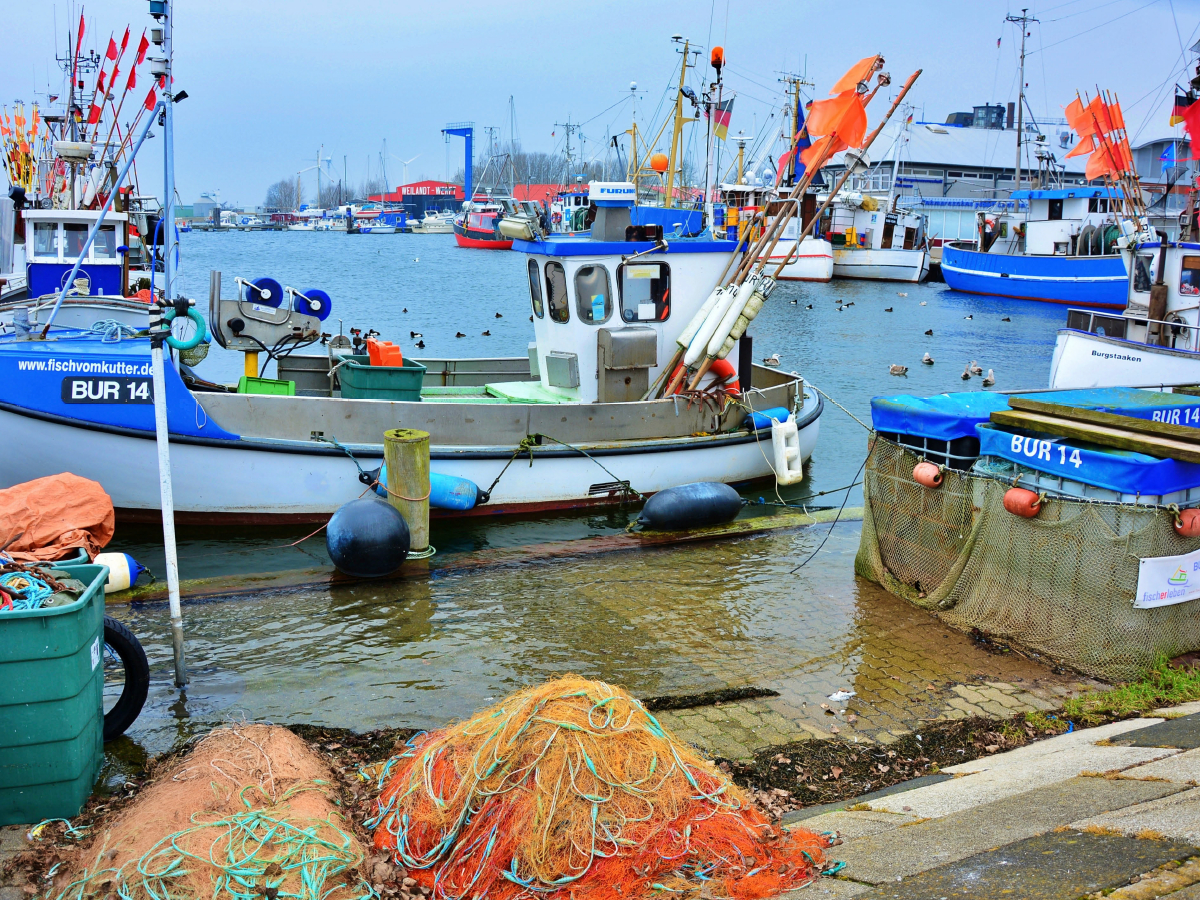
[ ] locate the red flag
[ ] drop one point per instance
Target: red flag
(1085, 145)
(125, 40)
(79, 37)
(842, 115)
(93, 114)
(1115, 116)
(1191, 124)
(112, 79)
(151, 100)
(111, 52)
(1099, 112)
(825, 148)
(859, 72)
(143, 46)
(100, 83)
(1100, 163)
(132, 82)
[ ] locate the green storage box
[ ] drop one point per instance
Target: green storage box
(362, 381)
(52, 704)
(248, 384)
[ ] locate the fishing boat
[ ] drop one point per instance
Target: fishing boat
(478, 225)
(564, 427)
(435, 222)
(874, 241)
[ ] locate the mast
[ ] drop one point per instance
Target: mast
(677, 134)
(1024, 19)
(717, 60)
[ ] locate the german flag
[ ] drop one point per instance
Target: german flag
(1182, 102)
(721, 119)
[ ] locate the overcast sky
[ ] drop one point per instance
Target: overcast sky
(269, 82)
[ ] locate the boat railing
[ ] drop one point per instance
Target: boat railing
(1116, 326)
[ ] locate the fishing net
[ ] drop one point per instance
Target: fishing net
(573, 790)
(250, 812)
(1061, 584)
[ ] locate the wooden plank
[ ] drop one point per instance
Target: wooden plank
(1128, 423)
(1158, 446)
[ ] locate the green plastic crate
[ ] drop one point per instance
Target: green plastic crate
(362, 381)
(248, 384)
(52, 704)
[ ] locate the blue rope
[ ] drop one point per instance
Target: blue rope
(113, 330)
(31, 596)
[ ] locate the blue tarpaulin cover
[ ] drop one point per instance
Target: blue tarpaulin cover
(949, 416)
(1116, 470)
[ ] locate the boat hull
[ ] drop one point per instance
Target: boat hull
(909, 266)
(480, 240)
(1099, 282)
(1085, 360)
(814, 262)
(263, 482)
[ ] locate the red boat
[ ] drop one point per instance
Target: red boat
(479, 227)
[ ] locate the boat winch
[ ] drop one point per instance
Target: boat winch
(258, 320)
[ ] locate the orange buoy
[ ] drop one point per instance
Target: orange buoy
(659, 162)
(928, 474)
(1187, 523)
(1021, 502)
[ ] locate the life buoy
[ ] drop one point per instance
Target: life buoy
(556, 218)
(721, 369)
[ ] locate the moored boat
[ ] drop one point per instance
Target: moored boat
(478, 226)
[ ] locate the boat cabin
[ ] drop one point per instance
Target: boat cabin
(607, 307)
(1078, 221)
(54, 239)
(860, 221)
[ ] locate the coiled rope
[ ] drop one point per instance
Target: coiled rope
(112, 330)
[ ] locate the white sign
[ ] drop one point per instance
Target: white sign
(1167, 580)
(95, 653)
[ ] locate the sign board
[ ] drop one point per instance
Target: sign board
(1167, 580)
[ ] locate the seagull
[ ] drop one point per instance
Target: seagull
(929, 332)
(498, 316)
(898, 369)
(989, 379)
(417, 259)
(487, 333)
(976, 369)
(927, 359)
(772, 360)
(421, 344)
(922, 302)
(460, 334)
(415, 334)
(888, 309)
(1006, 319)
(969, 317)
(809, 306)
(904, 294)
(966, 375)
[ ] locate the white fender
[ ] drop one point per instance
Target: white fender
(699, 343)
(685, 339)
(785, 441)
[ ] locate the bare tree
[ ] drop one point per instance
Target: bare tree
(332, 195)
(373, 185)
(282, 195)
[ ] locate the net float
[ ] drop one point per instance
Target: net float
(1187, 523)
(1021, 502)
(928, 474)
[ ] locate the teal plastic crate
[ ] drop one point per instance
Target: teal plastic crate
(362, 381)
(52, 704)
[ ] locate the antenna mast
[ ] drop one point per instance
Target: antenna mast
(1024, 19)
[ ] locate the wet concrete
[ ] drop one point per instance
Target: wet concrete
(1183, 732)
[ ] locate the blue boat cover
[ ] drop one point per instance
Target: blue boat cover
(949, 416)
(1116, 470)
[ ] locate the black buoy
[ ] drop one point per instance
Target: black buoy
(367, 538)
(691, 506)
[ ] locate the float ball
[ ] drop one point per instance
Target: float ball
(367, 538)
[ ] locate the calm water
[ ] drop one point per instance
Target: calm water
(669, 621)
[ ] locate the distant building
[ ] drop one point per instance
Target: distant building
(202, 209)
(420, 196)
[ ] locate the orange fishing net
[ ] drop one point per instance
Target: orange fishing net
(572, 789)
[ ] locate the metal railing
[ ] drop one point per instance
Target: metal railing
(1117, 326)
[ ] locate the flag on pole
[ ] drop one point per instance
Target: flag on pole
(1182, 102)
(1168, 157)
(721, 118)
(94, 114)
(125, 40)
(143, 46)
(111, 52)
(909, 120)
(1078, 119)
(100, 82)
(132, 82)
(1085, 145)
(800, 143)
(151, 99)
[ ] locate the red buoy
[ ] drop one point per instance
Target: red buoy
(1021, 502)
(928, 474)
(1187, 523)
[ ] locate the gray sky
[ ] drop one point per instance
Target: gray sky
(271, 81)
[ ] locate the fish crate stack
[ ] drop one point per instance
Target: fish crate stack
(1066, 523)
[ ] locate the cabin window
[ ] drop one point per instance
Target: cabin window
(1141, 273)
(535, 289)
(1056, 209)
(645, 292)
(105, 245)
(1098, 205)
(556, 292)
(1189, 278)
(74, 237)
(45, 239)
(593, 297)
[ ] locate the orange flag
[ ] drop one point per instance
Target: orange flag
(1123, 155)
(1099, 112)
(842, 115)
(824, 147)
(1077, 118)
(1115, 116)
(1085, 145)
(859, 72)
(1100, 163)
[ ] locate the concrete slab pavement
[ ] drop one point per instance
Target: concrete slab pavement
(1175, 817)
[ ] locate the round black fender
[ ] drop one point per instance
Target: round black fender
(367, 538)
(691, 506)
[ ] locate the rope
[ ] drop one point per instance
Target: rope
(23, 591)
(833, 524)
(368, 479)
(527, 443)
(113, 330)
(839, 406)
(627, 488)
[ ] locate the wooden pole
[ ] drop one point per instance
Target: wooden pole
(406, 453)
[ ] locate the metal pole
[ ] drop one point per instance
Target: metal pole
(1024, 18)
(95, 229)
(158, 335)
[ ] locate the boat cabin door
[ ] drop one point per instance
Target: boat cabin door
(889, 229)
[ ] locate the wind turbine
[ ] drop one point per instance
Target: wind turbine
(405, 162)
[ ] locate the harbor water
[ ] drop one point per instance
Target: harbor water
(679, 620)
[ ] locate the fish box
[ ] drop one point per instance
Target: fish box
(362, 381)
(310, 373)
(51, 704)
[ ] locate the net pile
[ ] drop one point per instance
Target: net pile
(248, 813)
(572, 789)
(1061, 584)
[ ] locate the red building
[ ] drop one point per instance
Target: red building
(422, 195)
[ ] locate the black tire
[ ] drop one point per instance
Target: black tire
(120, 641)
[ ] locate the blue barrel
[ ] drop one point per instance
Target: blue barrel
(691, 506)
(445, 491)
(762, 419)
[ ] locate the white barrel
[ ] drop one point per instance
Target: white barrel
(698, 344)
(685, 339)
(744, 293)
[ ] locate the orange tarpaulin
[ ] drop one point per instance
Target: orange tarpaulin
(1085, 145)
(46, 518)
(859, 72)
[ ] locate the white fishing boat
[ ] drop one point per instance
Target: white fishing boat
(875, 241)
(812, 260)
(565, 427)
(435, 222)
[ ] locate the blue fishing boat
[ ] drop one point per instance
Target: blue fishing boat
(1063, 250)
